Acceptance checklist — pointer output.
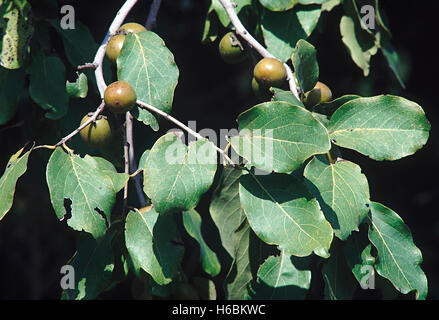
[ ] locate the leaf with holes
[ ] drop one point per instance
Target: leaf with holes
(278, 136)
(281, 211)
(398, 258)
(342, 191)
(176, 176)
(90, 191)
(147, 64)
(383, 127)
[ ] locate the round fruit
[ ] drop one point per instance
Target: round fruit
(114, 46)
(231, 49)
(98, 133)
(261, 92)
(185, 291)
(131, 27)
(321, 93)
(120, 97)
(270, 72)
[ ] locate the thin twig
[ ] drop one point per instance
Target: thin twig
(184, 127)
(152, 15)
(131, 158)
(240, 30)
(82, 126)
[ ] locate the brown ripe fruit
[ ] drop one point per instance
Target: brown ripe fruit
(270, 72)
(98, 133)
(120, 97)
(319, 94)
(231, 49)
(114, 46)
(131, 27)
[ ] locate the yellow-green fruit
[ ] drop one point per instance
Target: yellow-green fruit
(185, 291)
(319, 94)
(120, 97)
(98, 133)
(270, 72)
(261, 92)
(231, 49)
(131, 27)
(114, 46)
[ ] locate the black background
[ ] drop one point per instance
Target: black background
(34, 244)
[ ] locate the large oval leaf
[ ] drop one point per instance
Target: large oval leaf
(383, 127)
(90, 191)
(278, 136)
(209, 260)
(398, 258)
(342, 191)
(281, 211)
(176, 176)
(225, 207)
(148, 237)
(148, 65)
(282, 30)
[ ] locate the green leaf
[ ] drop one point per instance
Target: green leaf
(90, 192)
(147, 64)
(148, 237)
(330, 4)
(209, 260)
(360, 43)
(93, 265)
(211, 28)
(48, 85)
(281, 211)
(12, 84)
(205, 288)
(282, 30)
(398, 258)
(340, 284)
(16, 167)
(79, 88)
(328, 108)
(342, 191)
(305, 64)
(176, 176)
(225, 208)
(279, 279)
(278, 136)
(16, 30)
(383, 127)
(287, 96)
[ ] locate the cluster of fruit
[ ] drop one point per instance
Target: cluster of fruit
(268, 72)
(119, 96)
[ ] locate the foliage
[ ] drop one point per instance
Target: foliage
(285, 205)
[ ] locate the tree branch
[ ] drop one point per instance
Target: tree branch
(132, 159)
(229, 7)
(184, 127)
(152, 16)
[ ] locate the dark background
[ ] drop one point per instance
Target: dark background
(34, 244)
